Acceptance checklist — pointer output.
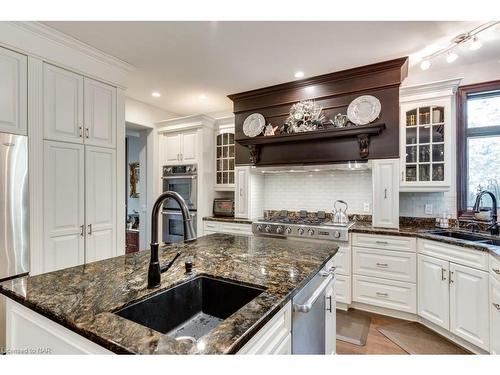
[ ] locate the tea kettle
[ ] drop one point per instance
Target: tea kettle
(339, 215)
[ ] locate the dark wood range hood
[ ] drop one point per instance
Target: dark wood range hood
(333, 92)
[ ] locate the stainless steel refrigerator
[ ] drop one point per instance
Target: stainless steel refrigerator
(14, 211)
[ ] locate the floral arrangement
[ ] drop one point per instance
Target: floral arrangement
(304, 116)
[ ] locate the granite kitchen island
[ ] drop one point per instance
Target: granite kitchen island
(84, 299)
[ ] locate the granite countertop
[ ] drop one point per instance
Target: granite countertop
(426, 233)
(225, 219)
(83, 298)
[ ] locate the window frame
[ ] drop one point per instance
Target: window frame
(463, 133)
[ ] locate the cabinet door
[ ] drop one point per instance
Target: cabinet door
(386, 193)
(62, 105)
(241, 192)
(469, 305)
(100, 114)
(494, 316)
(330, 320)
(100, 212)
(188, 151)
(13, 92)
(433, 290)
(172, 148)
(63, 205)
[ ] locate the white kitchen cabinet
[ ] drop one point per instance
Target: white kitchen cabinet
(13, 92)
(385, 193)
(241, 204)
(224, 158)
(330, 320)
(100, 211)
(427, 136)
(494, 316)
(469, 305)
(180, 148)
(62, 105)
(99, 113)
(63, 205)
(433, 290)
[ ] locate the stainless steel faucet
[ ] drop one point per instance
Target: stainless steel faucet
(494, 228)
(154, 272)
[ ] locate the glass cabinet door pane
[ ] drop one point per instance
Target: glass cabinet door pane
(219, 165)
(424, 172)
(424, 154)
(411, 154)
(438, 172)
(219, 140)
(219, 152)
(411, 117)
(437, 115)
(438, 133)
(231, 177)
(231, 164)
(424, 115)
(424, 134)
(231, 151)
(437, 152)
(411, 136)
(219, 177)
(411, 173)
(224, 151)
(231, 138)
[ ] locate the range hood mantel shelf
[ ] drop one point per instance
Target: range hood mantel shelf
(362, 132)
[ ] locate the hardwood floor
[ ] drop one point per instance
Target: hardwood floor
(376, 342)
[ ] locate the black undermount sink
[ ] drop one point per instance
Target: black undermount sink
(467, 236)
(192, 309)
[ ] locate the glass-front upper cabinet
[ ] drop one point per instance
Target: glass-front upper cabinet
(427, 130)
(224, 163)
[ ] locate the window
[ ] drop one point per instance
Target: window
(478, 165)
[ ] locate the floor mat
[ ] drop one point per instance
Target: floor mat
(352, 327)
(415, 338)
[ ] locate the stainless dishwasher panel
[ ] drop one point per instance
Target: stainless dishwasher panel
(309, 313)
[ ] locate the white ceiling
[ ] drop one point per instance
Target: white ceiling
(183, 60)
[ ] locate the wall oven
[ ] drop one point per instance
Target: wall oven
(173, 229)
(183, 180)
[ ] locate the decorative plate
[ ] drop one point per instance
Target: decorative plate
(364, 109)
(254, 125)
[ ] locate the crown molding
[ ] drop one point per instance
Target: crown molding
(70, 42)
(447, 87)
(184, 123)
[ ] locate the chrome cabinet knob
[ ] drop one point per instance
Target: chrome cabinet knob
(336, 234)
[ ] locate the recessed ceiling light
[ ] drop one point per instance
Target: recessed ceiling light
(202, 96)
(155, 94)
(451, 56)
(299, 74)
(475, 44)
(424, 65)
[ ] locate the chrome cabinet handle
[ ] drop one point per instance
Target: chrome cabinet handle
(402, 175)
(306, 307)
(451, 274)
(82, 230)
(382, 242)
(382, 265)
(241, 192)
(90, 229)
(443, 274)
(496, 306)
(80, 131)
(182, 157)
(329, 308)
(385, 193)
(496, 270)
(87, 132)
(382, 294)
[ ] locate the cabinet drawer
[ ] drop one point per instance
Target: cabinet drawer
(394, 265)
(235, 228)
(270, 338)
(342, 261)
(495, 267)
(384, 242)
(494, 316)
(210, 226)
(343, 289)
(390, 294)
(456, 254)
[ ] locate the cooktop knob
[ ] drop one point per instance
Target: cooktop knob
(336, 234)
(168, 170)
(279, 230)
(268, 228)
(311, 232)
(188, 169)
(288, 230)
(259, 228)
(301, 231)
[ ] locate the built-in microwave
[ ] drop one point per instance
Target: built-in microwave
(183, 180)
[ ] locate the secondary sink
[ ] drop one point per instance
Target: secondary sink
(459, 235)
(191, 309)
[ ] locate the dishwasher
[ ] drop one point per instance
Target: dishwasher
(313, 314)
